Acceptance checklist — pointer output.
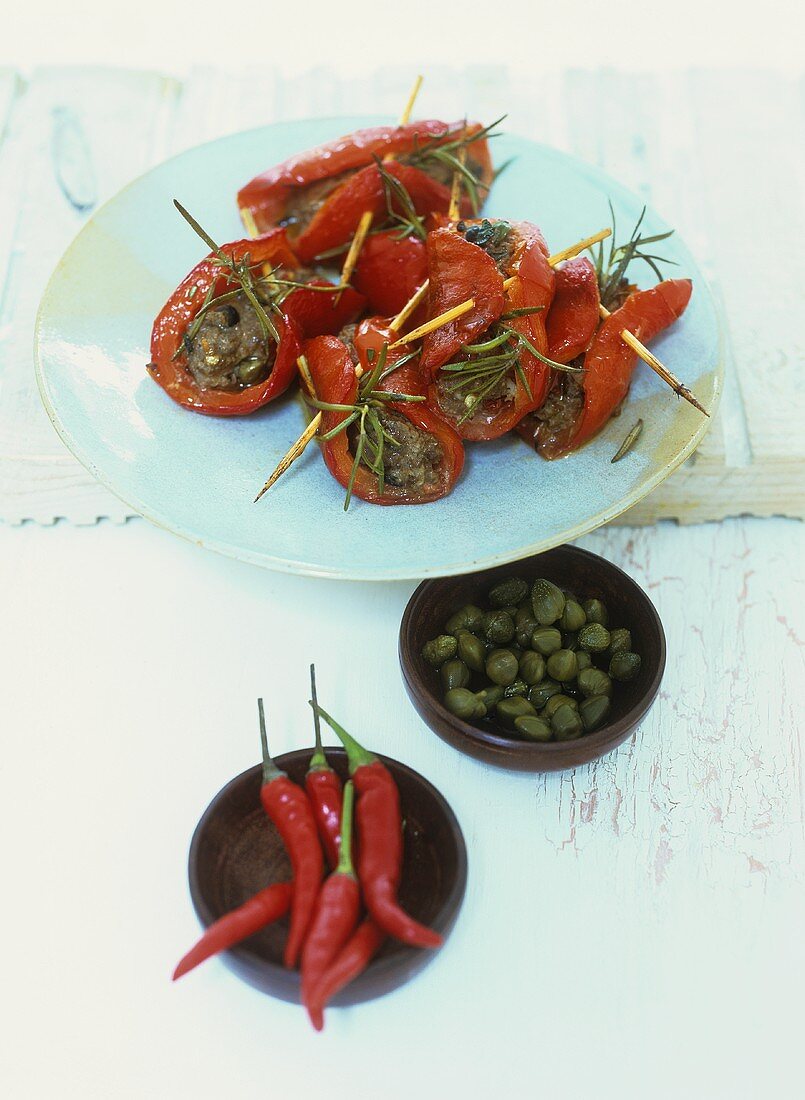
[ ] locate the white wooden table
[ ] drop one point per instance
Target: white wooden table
(631, 929)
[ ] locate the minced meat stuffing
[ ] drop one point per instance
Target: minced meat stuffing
(230, 350)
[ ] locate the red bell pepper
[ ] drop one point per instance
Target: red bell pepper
(344, 182)
(470, 275)
(332, 369)
(573, 317)
(304, 312)
(390, 270)
(608, 367)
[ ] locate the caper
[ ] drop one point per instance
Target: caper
(468, 617)
(533, 728)
(519, 687)
(472, 651)
(548, 602)
(532, 667)
(514, 648)
(596, 612)
(491, 696)
(498, 627)
(542, 692)
(502, 667)
(566, 723)
(620, 640)
(594, 711)
(438, 650)
(570, 641)
(546, 640)
(455, 674)
(464, 704)
(557, 701)
(594, 638)
(583, 659)
(562, 665)
(509, 710)
(512, 590)
(592, 681)
(525, 614)
(522, 634)
(573, 617)
(510, 610)
(624, 666)
(251, 370)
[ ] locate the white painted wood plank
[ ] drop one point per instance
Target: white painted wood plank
(64, 149)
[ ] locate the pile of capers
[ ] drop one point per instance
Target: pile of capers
(540, 662)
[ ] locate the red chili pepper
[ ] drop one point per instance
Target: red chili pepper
(327, 216)
(523, 309)
(323, 787)
(337, 910)
(287, 806)
(333, 371)
(573, 317)
(609, 363)
(389, 271)
(352, 960)
(168, 364)
(380, 842)
(265, 907)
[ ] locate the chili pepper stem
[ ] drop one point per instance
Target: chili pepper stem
(270, 769)
(318, 760)
(345, 866)
(357, 755)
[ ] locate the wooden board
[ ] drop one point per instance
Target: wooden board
(691, 143)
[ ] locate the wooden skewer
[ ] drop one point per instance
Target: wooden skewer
(455, 187)
(579, 246)
(247, 218)
(355, 248)
(310, 431)
(409, 106)
(437, 322)
(679, 388)
(409, 307)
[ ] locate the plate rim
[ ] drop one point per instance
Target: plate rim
(302, 568)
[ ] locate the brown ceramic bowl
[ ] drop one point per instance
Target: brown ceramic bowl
(236, 851)
(590, 577)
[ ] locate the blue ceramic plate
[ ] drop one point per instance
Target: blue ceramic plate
(197, 476)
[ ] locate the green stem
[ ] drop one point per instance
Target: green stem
(357, 755)
(270, 769)
(345, 848)
(318, 761)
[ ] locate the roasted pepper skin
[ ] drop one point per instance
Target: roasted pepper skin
(610, 362)
(170, 371)
(304, 313)
(464, 270)
(333, 372)
(270, 196)
(573, 317)
(389, 271)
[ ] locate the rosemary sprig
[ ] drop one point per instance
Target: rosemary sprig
(445, 152)
(611, 271)
(240, 269)
(406, 218)
(365, 412)
(628, 442)
(488, 363)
